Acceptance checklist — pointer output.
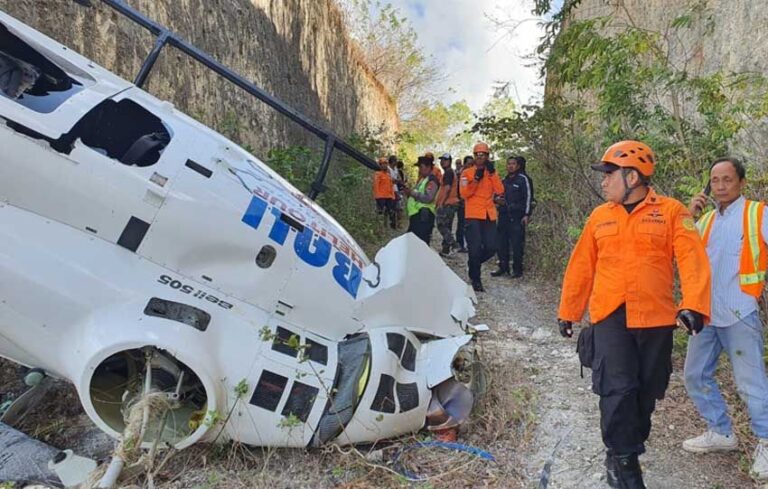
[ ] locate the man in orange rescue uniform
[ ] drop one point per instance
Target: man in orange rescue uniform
(478, 185)
(623, 266)
(384, 192)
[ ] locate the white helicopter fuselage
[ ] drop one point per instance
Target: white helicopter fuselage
(126, 225)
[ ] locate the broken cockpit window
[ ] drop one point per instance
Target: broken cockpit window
(29, 78)
(122, 130)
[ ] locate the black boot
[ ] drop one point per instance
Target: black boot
(500, 272)
(611, 472)
(478, 286)
(630, 476)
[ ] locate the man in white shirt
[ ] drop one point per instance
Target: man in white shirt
(735, 233)
(396, 187)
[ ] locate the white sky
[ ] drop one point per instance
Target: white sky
(475, 54)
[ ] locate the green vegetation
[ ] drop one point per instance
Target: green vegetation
(348, 196)
(437, 128)
(610, 79)
(390, 48)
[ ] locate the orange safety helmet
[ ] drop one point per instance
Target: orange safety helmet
(628, 154)
(481, 148)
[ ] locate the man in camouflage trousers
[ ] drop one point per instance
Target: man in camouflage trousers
(447, 204)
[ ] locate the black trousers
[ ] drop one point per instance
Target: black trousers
(460, 225)
(511, 236)
(631, 371)
(421, 224)
(388, 207)
(481, 241)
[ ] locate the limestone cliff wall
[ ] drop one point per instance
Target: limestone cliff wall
(297, 50)
(732, 36)
(727, 36)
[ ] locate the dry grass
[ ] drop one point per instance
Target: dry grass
(501, 424)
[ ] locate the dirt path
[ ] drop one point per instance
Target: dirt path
(522, 317)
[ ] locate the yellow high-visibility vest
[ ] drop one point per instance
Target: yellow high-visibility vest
(413, 206)
(754, 253)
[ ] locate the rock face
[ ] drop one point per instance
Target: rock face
(726, 36)
(722, 36)
(296, 50)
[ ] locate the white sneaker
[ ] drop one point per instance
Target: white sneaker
(715, 442)
(760, 465)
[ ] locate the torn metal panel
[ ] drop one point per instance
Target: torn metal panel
(416, 290)
(440, 355)
(73, 470)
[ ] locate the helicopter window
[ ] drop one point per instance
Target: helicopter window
(300, 401)
(409, 357)
(384, 402)
(29, 78)
(266, 256)
(283, 342)
(317, 352)
(407, 396)
(354, 357)
(396, 343)
(269, 390)
(122, 130)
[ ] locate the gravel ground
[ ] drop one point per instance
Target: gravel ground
(523, 316)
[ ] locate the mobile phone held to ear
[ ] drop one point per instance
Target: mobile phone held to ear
(708, 189)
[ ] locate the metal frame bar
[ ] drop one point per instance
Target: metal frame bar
(165, 37)
(149, 62)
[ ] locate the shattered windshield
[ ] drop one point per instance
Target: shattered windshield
(29, 78)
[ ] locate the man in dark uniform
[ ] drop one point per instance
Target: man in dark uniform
(460, 241)
(514, 213)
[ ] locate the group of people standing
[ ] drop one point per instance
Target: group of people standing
(622, 267)
(491, 213)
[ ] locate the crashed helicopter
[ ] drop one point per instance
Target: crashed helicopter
(141, 251)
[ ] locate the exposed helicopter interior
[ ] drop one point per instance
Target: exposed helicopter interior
(31, 79)
(122, 130)
(120, 380)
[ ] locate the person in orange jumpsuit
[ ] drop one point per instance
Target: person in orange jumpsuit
(384, 193)
(479, 186)
(622, 266)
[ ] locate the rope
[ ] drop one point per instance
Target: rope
(457, 447)
(128, 450)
